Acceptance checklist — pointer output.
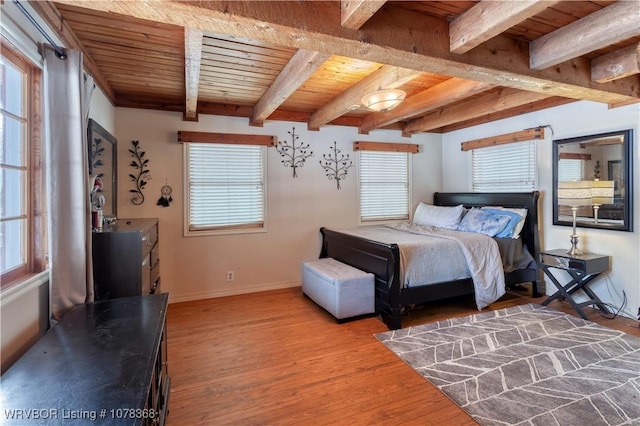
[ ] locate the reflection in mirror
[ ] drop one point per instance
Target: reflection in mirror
(103, 166)
(592, 179)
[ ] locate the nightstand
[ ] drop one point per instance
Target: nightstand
(583, 269)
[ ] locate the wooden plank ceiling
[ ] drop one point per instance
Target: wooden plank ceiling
(461, 63)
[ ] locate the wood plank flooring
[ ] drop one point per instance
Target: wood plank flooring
(276, 358)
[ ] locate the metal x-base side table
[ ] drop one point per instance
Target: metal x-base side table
(583, 269)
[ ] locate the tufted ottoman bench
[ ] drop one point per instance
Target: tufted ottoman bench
(341, 289)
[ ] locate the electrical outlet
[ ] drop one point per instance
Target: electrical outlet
(229, 276)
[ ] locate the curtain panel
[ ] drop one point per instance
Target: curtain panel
(67, 96)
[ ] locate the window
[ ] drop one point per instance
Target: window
(504, 168)
(384, 185)
(570, 169)
(225, 187)
(22, 236)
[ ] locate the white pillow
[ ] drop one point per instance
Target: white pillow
(521, 212)
(440, 216)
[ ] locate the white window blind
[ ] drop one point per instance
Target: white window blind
(226, 186)
(384, 185)
(505, 168)
(570, 170)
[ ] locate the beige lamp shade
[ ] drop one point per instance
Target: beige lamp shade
(383, 100)
(574, 193)
(602, 191)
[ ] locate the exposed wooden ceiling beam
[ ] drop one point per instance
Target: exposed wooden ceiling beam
(477, 107)
(354, 13)
(488, 19)
(451, 90)
(299, 68)
(421, 43)
(54, 20)
(603, 142)
(525, 108)
(192, 58)
(386, 77)
(607, 26)
(619, 64)
(247, 112)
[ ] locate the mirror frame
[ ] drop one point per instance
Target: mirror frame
(627, 180)
(96, 131)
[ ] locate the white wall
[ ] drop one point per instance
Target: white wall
(195, 267)
(571, 120)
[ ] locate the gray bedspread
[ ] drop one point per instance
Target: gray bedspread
(429, 255)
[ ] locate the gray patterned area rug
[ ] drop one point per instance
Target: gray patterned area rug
(527, 365)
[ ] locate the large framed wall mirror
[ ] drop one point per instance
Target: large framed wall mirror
(593, 177)
(103, 165)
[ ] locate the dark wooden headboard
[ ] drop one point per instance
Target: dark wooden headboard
(528, 200)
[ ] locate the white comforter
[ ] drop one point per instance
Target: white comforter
(448, 255)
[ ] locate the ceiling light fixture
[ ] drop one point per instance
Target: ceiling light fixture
(383, 100)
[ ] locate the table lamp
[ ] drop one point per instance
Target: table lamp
(575, 194)
(601, 193)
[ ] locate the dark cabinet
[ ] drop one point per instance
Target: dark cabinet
(103, 363)
(126, 259)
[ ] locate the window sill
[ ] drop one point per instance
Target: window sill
(23, 286)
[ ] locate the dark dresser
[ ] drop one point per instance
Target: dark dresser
(126, 259)
(103, 363)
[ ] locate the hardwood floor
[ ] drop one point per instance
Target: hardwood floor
(276, 358)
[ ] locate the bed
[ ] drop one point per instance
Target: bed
(383, 258)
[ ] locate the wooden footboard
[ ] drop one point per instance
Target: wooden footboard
(383, 260)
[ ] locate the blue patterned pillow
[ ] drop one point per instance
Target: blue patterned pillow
(514, 219)
(521, 212)
(483, 222)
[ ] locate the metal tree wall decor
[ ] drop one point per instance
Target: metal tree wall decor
(144, 175)
(293, 155)
(336, 166)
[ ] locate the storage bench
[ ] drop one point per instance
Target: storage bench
(341, 289)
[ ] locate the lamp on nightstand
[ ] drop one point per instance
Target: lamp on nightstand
(574, 194)
(601, 193)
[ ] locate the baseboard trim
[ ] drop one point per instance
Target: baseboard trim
(232, 292)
